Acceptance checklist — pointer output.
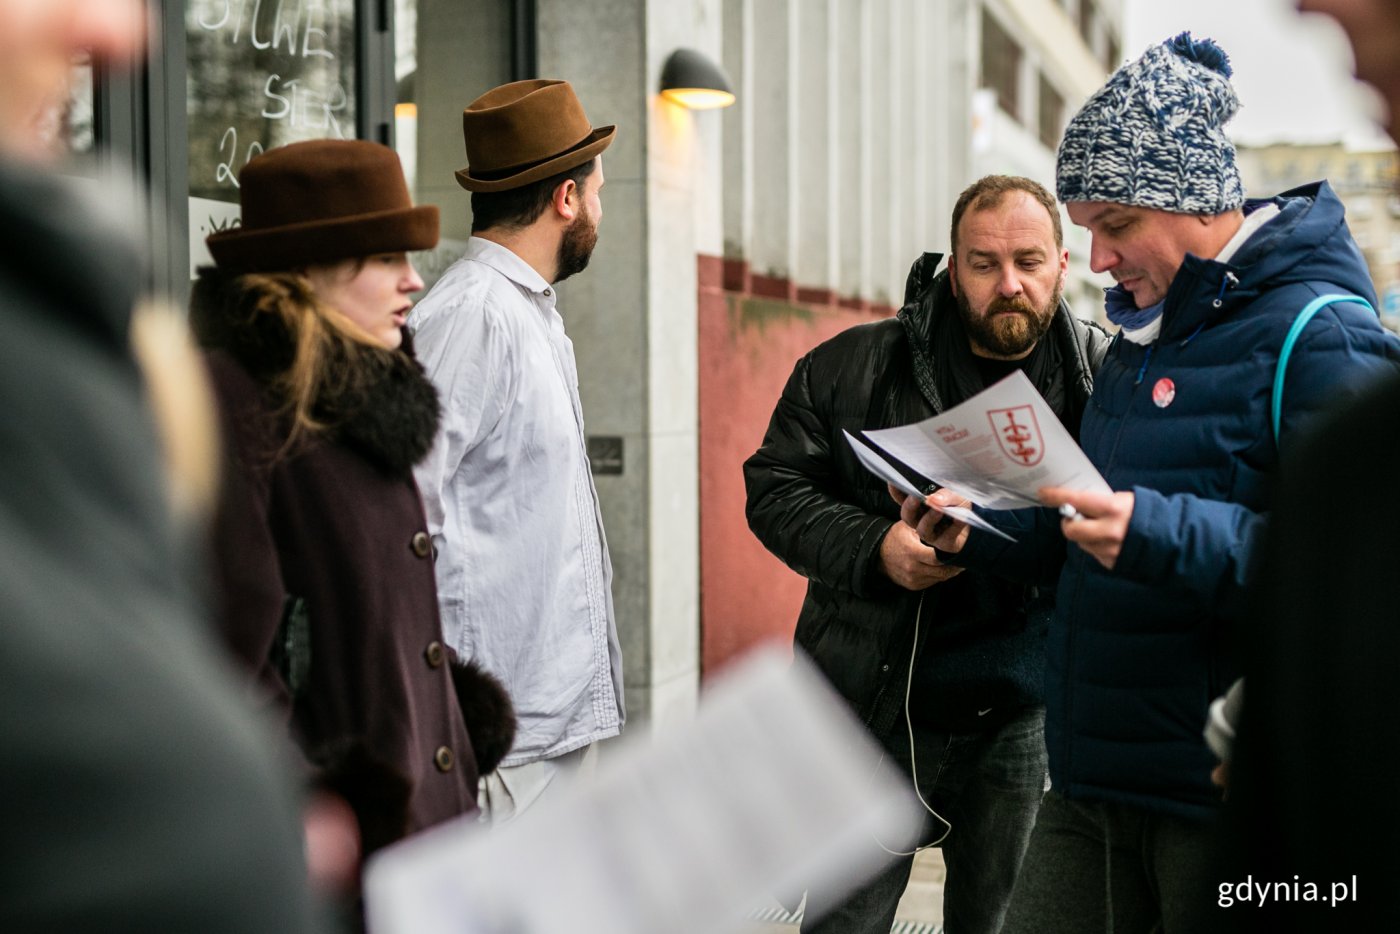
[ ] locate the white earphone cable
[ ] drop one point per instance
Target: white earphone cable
(913, 757)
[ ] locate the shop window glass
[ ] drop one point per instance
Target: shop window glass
(261, 73)
(80, 130)
(440, 66)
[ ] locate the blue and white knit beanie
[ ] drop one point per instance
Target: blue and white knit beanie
(1152, 136)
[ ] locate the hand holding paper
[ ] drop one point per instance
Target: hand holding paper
(911, 563)
(997, 450)
(945, 536)
(885, 471)
(1101, 523)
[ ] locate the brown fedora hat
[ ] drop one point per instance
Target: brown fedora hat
(524, 131)
(321, 201)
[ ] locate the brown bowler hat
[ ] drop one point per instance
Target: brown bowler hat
(321, 201)
(524, 131)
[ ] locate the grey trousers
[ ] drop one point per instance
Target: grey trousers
(1096, 867)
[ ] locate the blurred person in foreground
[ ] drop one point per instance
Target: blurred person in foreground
(137, 792)
(1312, 784)
(1153, 577)
(323, 563)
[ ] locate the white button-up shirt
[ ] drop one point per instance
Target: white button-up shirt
(524, 579)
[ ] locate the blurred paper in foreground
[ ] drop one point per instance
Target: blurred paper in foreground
(773, 787)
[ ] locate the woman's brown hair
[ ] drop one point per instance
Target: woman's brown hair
(322, 346)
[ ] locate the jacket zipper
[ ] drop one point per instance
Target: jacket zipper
(885, 669)
(1079, 578)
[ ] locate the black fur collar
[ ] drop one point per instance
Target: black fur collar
(389, 411)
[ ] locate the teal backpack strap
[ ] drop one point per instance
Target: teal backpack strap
(1300, 322)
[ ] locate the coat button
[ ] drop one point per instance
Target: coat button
(443, 759)
(422, 545)
(434, 654)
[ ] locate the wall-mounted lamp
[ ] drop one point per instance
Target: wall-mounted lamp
(407, 105)
(692, 80)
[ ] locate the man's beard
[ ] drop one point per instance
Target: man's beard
(1007, 336)
(577, 246)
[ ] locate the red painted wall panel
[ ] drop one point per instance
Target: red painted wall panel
(748, 346)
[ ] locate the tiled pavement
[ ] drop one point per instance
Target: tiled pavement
(920, 910)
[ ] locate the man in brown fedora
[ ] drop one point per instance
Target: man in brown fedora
(524, 578)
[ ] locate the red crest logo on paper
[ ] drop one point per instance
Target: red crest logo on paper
(1019, 434)
(1163, 392)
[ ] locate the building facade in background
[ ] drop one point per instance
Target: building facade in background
(736, 240)
(1365, 180)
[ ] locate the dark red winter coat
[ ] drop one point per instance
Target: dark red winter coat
(324, 573)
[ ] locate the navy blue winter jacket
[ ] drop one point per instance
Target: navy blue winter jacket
(1135, 654)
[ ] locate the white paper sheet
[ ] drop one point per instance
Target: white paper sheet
(883, 469)
(997, 448)
(772, 787)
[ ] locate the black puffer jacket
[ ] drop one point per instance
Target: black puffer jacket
(814, 506)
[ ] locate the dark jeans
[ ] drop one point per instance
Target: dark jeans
(988, 786)
(1095, 866)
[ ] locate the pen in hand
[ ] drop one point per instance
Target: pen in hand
(1069, 512)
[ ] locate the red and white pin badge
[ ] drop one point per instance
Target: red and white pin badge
(1163, 392)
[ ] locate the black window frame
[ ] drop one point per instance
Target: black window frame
(139, 122)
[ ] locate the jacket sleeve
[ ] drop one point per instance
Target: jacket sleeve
(1207, 547)
(1183, 542)
(795, 504)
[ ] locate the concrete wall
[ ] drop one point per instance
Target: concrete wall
(632, 317)
(683, 163)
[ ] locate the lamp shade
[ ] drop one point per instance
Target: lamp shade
(692, 80)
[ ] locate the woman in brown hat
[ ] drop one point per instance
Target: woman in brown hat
(324, 569)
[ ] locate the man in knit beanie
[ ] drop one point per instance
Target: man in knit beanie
(1189, 412)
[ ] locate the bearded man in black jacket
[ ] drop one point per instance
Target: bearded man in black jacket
(944, 668)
